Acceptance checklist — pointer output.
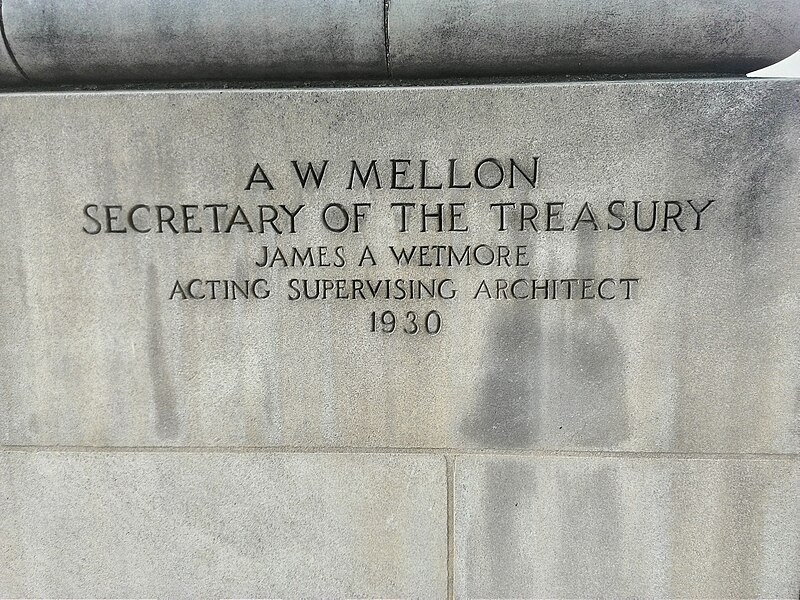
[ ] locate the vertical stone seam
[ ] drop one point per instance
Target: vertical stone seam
(449, 462)
(7, 45)
(386, 37)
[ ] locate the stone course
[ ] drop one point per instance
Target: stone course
(644, 527)
(206, 525)
(100, 350)
(129, 41)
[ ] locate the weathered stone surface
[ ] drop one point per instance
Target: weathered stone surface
(195, 525)
(702, 357)
(129, 40)
(610, 527)
(485, 37)
(9, 73)
(132, 41)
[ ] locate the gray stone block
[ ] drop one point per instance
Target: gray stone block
(9, 72)
(515, 37)
(129, 40)
(584, 527)
(99, 347)
(195, 525)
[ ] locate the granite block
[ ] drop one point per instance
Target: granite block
(583, 527)
(628, 279)
(525, 37)
(211, 525)
(130, 41)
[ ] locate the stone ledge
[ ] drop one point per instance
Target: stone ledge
(171, 40)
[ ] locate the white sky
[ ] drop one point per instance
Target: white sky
(788, 67)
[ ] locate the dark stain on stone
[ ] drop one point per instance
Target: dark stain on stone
(745, 523)
(765, 163)
(507, 411)
(752, 140)
(164, 397)
(562, 385)
(591, 509)
(590, 394)
(509, 495)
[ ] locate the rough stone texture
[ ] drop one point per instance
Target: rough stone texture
(703, 359)
(487, 37)
(192, 525)
(636, 528)
(9, 73)
(130, 40)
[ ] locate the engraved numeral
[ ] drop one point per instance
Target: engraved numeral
(387, 322)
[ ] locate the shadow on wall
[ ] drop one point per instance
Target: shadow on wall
(788, 67)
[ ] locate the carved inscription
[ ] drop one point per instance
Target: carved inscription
(509, 206)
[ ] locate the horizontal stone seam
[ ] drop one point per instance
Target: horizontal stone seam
(455, 453)
(372, 86)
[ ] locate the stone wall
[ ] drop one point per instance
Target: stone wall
(392, 298)
(587, 437)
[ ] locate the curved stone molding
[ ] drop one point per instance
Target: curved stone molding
(129, 40)
(523, 37)
(9, 73)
